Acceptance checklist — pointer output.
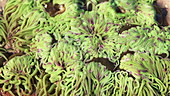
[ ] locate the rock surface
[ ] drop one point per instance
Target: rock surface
(165, 4)
(2, 4)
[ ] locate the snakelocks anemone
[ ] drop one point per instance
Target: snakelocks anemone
(83, 48)
(18, 74)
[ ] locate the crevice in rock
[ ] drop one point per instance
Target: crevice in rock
(126, 27)
(104, 61)
(54, 9)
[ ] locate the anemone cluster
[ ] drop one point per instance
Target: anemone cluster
(83, 48)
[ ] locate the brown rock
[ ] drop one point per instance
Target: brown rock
(165, 4)
(2, 4)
